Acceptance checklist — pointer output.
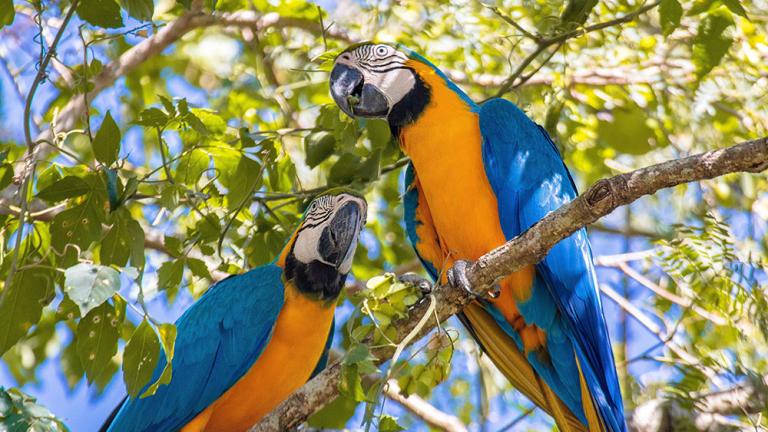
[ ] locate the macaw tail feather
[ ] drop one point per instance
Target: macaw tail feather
(514, 365)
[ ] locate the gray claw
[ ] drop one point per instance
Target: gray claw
(424, 285)
(457, 276)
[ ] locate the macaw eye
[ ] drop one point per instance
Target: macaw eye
(381, 50)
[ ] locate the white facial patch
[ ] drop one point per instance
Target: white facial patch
(383, 67)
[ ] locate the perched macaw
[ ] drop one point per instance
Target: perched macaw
(254, 338)
(479, 176)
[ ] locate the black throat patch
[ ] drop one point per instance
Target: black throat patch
(317, 280)
(410, 107)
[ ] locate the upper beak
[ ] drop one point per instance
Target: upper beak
(339, 239)
(354, 96)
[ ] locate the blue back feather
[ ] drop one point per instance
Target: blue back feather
(219, 339)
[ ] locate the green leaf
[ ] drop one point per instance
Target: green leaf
(198, 268)
(140, 358)
(97, 340)
(576, 12)
(334, 415)
(153, 117)
(168, 339)
(318, 146)
(192, 166)
(20, 412)
(7, 12)
(106, 143)
(388, 423)
(101, 13)
(136, 244)
(670, 12)
(90, 285)
(67, 187)
(22, 303)
(243, 184)
(117, 243)
(142, 10)
(344, 169)
(712, 42)
(6, 175)
(735, 7)
(627, 132)
(351, 384)
(169, 275)
(78, 226)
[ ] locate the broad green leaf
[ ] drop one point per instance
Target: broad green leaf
(136, 242)
(106, 143)
(142, 10)
(576, 12)
(670, 12)
(116, 244)
(90, 285)
(334, 415)
(627, 132)
(318, 146)
(213, 122)
(191, 166)
(7, 12)
(198, 268)
(97, 340)
(101, 13)
(70, 364)
(67, 187)
(20, 412)
(736, 7)
(246, 180)
(153, 117)
(6, 175)
(80, 225)
(140, 358)
(22, 303)
(388, 423)
(168, 339)
(169, 276)
(344, 169)
(712, 41)
(351, 384)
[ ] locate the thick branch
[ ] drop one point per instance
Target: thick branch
(529, 248)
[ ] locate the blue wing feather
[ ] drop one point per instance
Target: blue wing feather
(530, 180)
(212, 350)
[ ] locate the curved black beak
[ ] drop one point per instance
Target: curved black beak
(354, 96)
(339, 239)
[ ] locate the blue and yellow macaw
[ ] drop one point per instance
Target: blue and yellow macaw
(253, 339)
(479, 176)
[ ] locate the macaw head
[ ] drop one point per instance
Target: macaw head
(320, 254)
(374, 80)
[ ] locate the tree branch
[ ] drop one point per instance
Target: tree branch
(543, 44)
(529, 248)
(424, 410)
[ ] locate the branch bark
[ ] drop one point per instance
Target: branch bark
(527, 249)
(424, 410)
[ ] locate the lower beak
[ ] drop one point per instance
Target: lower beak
(354, 96)
(339, 240)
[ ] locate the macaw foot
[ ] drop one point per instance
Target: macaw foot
(422, 284)
(457, 277)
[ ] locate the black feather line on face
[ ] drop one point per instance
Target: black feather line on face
(317, 280)
(410, 107)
